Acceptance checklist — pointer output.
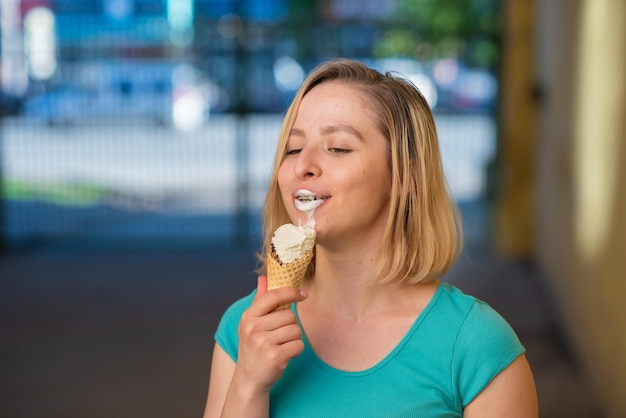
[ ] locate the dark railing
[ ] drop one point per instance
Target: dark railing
(118, 180)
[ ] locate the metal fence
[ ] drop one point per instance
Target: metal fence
(141, 140)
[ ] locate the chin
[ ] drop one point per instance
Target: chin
(301, 219)
(296, 217)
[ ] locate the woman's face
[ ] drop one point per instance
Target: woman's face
(336, 152)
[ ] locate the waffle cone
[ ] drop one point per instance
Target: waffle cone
(288, 274)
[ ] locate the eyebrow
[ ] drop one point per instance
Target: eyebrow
(330, 129)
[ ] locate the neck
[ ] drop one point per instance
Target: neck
(344, 282)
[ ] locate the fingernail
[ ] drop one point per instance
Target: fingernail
(303, 293)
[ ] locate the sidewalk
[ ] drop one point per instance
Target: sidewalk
(130, 336)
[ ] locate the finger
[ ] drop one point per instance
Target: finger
(277, 319)
(261, 286)
(285, 334)
(283, 296)
(265, 301)
(293, 348)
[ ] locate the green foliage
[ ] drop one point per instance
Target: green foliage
(426, 29)
(302, 11)
(56, 193)
(397, 42)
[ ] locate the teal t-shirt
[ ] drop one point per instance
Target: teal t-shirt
(456, 346)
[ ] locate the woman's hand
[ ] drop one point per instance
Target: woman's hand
(268, 339)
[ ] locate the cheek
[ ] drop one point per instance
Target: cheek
(365, 179)
(377, 184)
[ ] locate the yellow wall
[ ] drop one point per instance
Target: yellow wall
(578, 188)
(516, 129)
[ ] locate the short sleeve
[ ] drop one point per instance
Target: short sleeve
(226, 334)
(486, 345)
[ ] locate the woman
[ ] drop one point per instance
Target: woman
(373, 332)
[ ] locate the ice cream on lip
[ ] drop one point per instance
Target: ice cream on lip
(307, 201)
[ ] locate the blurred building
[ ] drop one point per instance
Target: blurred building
(562, 182)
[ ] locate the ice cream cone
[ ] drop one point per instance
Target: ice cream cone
(286, 274)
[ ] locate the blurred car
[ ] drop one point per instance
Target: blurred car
(68, 105)
(412, 70)
(161, 93)
(463, 89)
(262, 84)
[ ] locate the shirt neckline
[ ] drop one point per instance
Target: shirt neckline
(308, 350)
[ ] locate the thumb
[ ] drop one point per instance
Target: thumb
(261, 286)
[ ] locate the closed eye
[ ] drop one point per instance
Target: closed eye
(335, 150)
(293, 151)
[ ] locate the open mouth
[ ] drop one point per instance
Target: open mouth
(306, 200)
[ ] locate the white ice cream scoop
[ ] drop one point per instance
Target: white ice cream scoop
(291, 242)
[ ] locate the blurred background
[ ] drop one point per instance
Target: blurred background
(136, 142)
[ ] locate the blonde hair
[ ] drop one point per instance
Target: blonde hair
(423, 234)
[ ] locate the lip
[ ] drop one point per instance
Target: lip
(304, 193)
(303, 200)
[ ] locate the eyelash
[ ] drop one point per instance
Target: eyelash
(334, 150)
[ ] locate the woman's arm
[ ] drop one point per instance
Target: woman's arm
(268, 339)
(229, 397)
(222, 370)
(510, 394)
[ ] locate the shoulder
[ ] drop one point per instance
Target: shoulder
(226, 334)
(235, 310)
(473, 315)
(454, 300)
(485, 344)
(480, 324)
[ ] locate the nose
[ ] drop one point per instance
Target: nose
(307, 163)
